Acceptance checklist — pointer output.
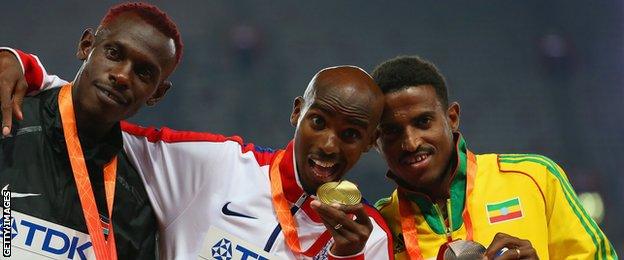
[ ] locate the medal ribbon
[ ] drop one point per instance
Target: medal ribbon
(408, 218)
(102, 248)
(282, 210)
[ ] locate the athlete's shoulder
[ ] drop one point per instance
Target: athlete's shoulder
(371, 210)
(385, 203)
(528, 162)
(168, 135)
(539, 167)
(34, 108)
(381, 223)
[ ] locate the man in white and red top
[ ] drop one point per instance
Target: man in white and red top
(214, 195)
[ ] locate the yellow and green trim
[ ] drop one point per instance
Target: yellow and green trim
(590, 226)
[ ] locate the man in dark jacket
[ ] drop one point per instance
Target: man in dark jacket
(64, 165)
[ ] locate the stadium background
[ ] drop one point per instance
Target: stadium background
(531, 76)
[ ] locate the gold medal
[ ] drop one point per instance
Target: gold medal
(342, 192)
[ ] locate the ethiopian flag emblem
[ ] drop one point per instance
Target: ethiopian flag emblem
(505, 210)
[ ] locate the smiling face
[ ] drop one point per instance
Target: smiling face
(335, 124)
(416, 136)
(124, 66)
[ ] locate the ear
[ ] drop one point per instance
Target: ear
(373, 141)
(87, 41)
(297, 107)
(453, 116)
(160, 92)
(376, 140)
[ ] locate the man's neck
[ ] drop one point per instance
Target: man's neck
(92, 131)
(306, 187)
(87, 125)
(438, 192)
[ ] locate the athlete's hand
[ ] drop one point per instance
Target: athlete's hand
(13, 88)
(350, 235)
(516, 248)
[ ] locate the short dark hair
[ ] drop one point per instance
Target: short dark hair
(408, 71)
(152, 15)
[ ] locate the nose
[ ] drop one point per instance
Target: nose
(411, 140)
(329, 143)
(120, 74)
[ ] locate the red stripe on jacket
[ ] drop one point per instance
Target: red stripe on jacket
(32, 70)
(168, 135)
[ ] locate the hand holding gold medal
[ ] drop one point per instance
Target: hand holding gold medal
(340, 208)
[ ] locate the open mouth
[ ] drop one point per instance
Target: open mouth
(113, 96)
(323, 170)
(416, 160)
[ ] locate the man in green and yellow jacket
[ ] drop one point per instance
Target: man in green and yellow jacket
(520, 206)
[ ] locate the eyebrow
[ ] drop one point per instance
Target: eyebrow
(430, 113)
(358, 122)
(118, 45)
(143, 58)
(353, 120)
(322, 108)
(426, 113)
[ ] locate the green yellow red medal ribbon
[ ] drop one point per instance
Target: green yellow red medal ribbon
(408, 219)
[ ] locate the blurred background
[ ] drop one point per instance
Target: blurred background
(531, 76)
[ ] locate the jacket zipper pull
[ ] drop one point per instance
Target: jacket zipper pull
(450, 219)
(447, 230)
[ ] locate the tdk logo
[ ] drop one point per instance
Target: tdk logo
(222, 245)
(37, 236)
(222, 250)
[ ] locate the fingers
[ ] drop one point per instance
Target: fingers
(500, 240)
(351, 217)
(504, 246)
(332, 216)
(10, 76)
(6, 89)
(508, 254)
(361, 217)
(18, 99)
(350, 235)
(517, 253)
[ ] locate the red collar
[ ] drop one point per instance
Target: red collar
(292, 188)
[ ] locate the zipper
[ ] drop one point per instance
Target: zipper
(448, 229)
(301, 200)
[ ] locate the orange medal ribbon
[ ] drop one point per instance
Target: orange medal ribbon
(103, 249)
(282, 210)
(408, 218)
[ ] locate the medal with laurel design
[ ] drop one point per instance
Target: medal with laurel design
(342, 192)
